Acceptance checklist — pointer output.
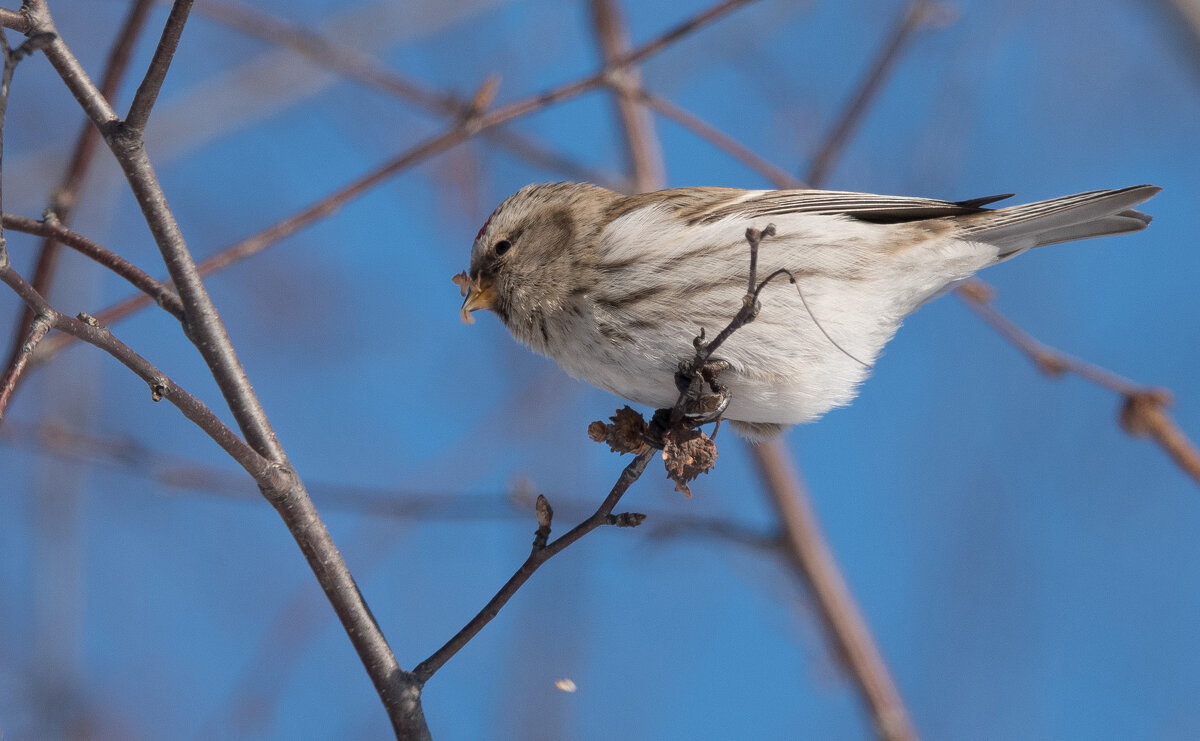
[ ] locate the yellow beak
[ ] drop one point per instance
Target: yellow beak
(479, 293)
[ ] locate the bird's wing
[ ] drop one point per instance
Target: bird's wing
(862, 206)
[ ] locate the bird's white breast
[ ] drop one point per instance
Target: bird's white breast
(670, 279)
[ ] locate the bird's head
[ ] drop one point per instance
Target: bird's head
(527, 260)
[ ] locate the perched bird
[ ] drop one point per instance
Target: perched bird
(614, 288)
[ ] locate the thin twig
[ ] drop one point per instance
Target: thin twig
(645, 152)
(670, 36)
(147, 92)
(538, 556)
(1144, 411)
(65, 195)
(54, 231)
(669, 436)
(845, 626)
(915, 16)
(749, 309)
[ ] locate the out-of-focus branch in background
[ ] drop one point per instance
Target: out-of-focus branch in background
(1144, 410)
(918, 14)
(645, 152)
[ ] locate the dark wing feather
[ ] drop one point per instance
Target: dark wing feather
(863, 206)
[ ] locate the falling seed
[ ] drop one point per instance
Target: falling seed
(565, 685)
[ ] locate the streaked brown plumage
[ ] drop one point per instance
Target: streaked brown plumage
(615, 287)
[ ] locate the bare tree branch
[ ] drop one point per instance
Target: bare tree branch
(844, 624)
(203, 322)
(650, 48)
(398, 691)
(40, 324)
(542, 552)
(645, 152)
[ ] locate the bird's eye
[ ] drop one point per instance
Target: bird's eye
(502, 246)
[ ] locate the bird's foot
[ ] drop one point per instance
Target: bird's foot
(700, 406)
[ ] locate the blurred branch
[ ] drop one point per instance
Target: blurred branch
(918, 13)
(779, 177)
(812, 559)
(720, 529)
(543, 550)
(670, 36)
(645, 151)
(355, 65)
(65, 196)
(1189, 12)
(1144, 411)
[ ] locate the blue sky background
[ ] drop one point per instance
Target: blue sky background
(1029, 570)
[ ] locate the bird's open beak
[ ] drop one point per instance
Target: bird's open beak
(479, 294)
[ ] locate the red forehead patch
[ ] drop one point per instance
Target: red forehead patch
(483, 228)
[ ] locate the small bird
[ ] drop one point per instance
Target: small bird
(614, 288)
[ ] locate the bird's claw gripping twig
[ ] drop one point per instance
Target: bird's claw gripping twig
(699, 406)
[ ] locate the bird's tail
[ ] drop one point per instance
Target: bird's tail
(1084, 215)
